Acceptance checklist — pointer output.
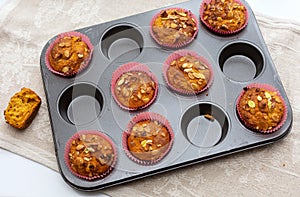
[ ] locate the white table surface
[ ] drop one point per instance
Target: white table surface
(13, 174)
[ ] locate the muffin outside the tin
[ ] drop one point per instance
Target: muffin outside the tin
(69, 54)
(174, 27)
(133, 86)
(149, 137)
(224, 17)
(261, 108)
(186, 72)
(90, 155)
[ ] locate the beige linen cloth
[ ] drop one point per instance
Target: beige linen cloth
(25, 27)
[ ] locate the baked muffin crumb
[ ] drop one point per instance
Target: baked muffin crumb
(22, 108)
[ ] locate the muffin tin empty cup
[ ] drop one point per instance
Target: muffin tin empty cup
(204, 125)
(122, 39)
(80, 104)
(241, 61)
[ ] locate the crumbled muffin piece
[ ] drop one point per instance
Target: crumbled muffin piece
(22, 108)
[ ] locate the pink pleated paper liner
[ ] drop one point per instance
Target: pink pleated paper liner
(178, 45)
(178, 54)
(218, 31)
(268, 88)
(141, 117)
(132, 67)
(84, 64)
(93, 132)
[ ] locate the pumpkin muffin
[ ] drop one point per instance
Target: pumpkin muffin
(187, 73)
(174, 27)
(134, 86)
(261, 108)
(90, 155)
(69, 54)
(149, 138)
(224, 16)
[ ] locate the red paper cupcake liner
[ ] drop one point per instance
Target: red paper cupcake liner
(269, 88)
(218, 31)
(131, 67)
(147, 116)
(93, 132)
(178, 54)
(179, 45)
(84, 64)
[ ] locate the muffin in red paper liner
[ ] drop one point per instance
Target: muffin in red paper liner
(149, 137)
(224, 17)
(90, 155)
(261, 108)
(133, 86)
(187, 73)
(69, 54)
(174, 27)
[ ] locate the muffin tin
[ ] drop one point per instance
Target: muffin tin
(85, 102)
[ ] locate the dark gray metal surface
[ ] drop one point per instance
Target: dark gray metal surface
(65, 96)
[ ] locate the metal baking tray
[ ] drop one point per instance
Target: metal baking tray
(85, 102)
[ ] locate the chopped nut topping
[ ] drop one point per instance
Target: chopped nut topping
(267, 95)
(79, 147)
(269, 104)
(145, 142)
(259, 98)
(251, 104)
(65, 69)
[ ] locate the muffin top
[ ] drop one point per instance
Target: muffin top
(224, 15)
(174, 27)
(68, 55)
(260, 109)
(148, 140)
(188, 74)
(135, 89)
(91, 155)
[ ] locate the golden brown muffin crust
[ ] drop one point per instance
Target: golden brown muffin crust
(68, 55)
(22, 108)
(226, 15)
(173, 27)
(188, 74)
(148, 140)
(91, 155)
(135, 89)
(261, 109)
